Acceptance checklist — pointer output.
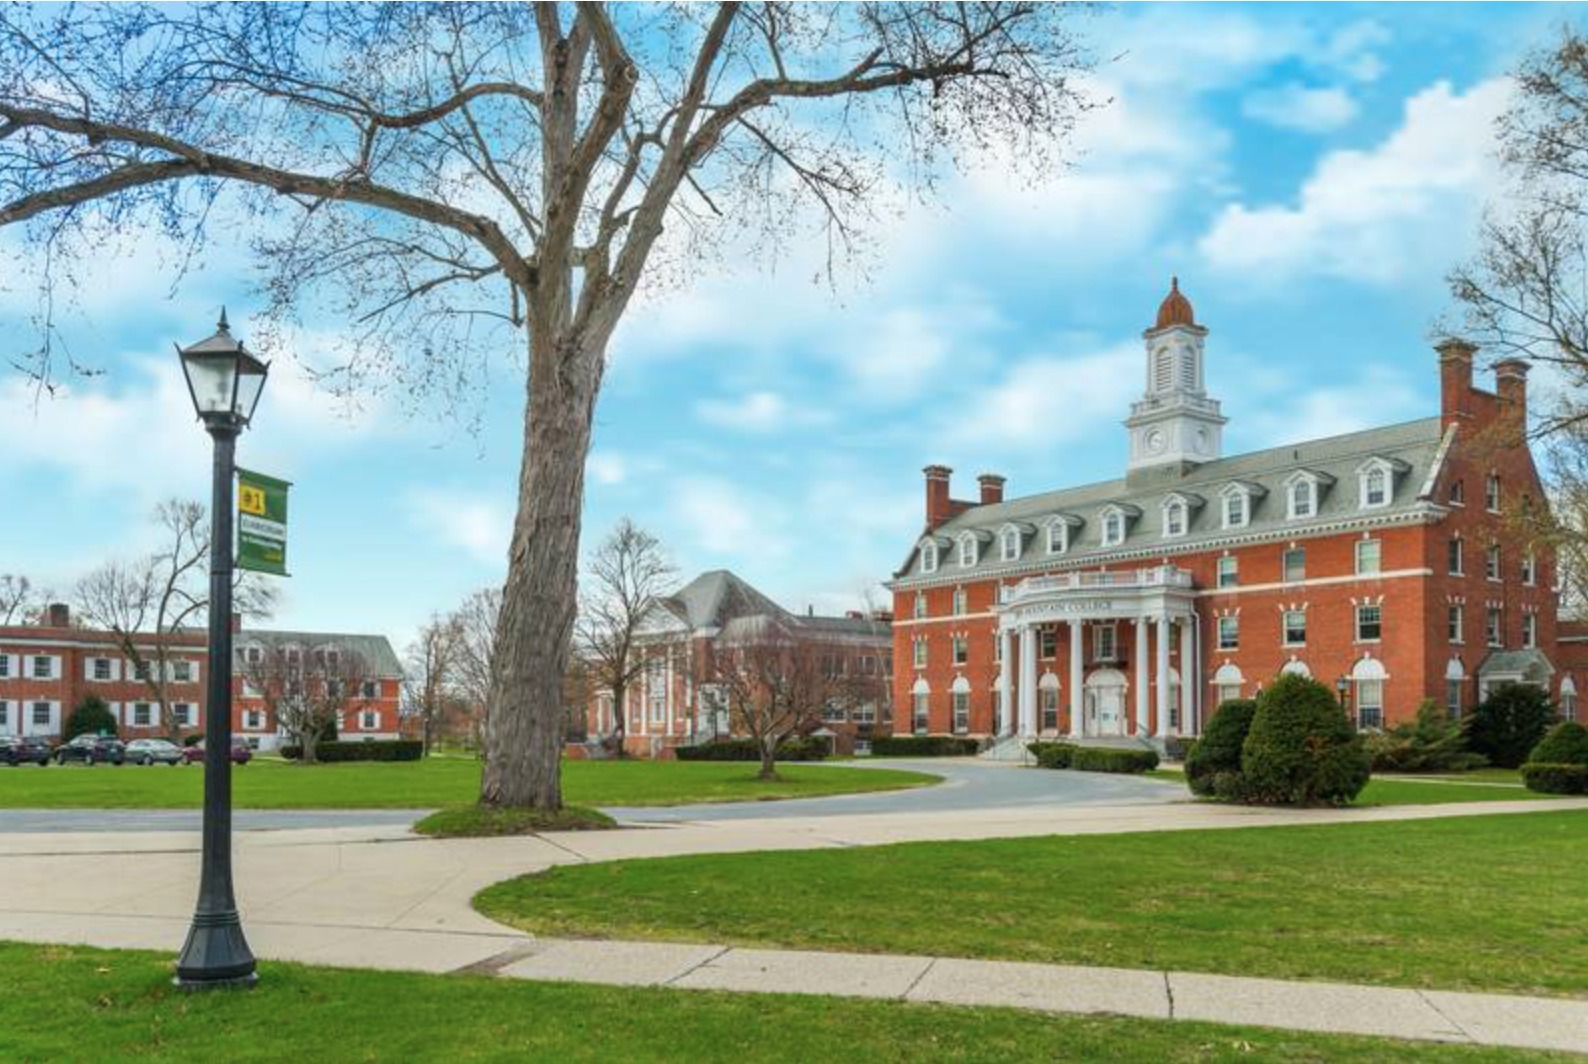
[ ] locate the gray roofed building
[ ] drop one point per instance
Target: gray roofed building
(1408, 453)
(374, 650)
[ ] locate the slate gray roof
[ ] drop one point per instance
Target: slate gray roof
(1412, 449)
(375, 650)
(1529, 663)
(715, 597)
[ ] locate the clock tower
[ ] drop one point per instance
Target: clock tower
(1174, 426)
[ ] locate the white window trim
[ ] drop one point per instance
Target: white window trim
(967, 545)
(1009, 536)
(1356, 559)
(1218, 571)
(1235, 492)
(1107, 521)
(1492, 499)
(1235, 625)
(929, 556)
(1294, 481)
(1063, 528)
(1284, 629)
(1176, 505)
(1365, 473)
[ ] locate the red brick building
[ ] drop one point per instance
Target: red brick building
(675, 701)
(1376, 562)
(48, 669)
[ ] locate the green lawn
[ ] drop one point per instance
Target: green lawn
(267, 783)
(1435, 790)
(1494, 903)
(97, 1005)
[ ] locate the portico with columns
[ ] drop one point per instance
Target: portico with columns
(1154, 696)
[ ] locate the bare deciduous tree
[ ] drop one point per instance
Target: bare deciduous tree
(777, 682)
(17, 599)
(477, 621)
(144, 602)
(625, 576)
(1525, 292)
(427, 171)
(306, 690)
(430, 677)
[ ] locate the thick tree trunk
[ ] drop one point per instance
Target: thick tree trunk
(524, 716)
(768, 760)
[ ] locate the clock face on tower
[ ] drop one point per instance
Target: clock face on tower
(1155, 442)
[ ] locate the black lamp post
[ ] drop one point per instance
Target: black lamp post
(1343, 687)
(225, 382)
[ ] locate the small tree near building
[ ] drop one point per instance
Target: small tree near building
(427, 689)
(1301, 749)
(626, 574)
(91, 717)
(1509, 723)
(308, 691)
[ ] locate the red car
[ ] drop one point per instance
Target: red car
(241, 753)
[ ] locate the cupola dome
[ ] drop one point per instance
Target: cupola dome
(1175, 308)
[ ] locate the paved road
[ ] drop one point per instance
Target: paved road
(968, 784)
(116, 820)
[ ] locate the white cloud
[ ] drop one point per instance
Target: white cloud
(761, 411)
(1044, 401)
(1380, 214)
(1285, 414)
(480, 526)
(1297, 106)
(607, 467)
(720, 519)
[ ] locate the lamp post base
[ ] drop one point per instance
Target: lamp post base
(216, 956)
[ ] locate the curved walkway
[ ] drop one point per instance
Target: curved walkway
(968, 784)
(379, 897)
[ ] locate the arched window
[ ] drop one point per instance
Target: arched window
(1048, 702)
(920, 706)
(967, 549)
(1568, 700)
(1227, 682)
(1455, 687)
(1375, 487)
(1174, 517)
(1302, 502)
(1010, 542)
(1368, 676)
(1113, 528)
(1295, 667)
(929, 557)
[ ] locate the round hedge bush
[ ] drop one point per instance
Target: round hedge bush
(1509, 723)
(1301, 749)
(91, 717)
(1566, 744)
(1219, 749)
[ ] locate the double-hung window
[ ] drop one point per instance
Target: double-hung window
(1494, 627)
(1453, 559)
(1368, 552)
(1295, 628)
(920, 652)
(1491, 493)
(961, 649)
(1369, 623)
(1295, 565)
(1229, 571)
(1455, 623)
(959, 601)
(1491, 562)
(1229, 632)
(961, 711)
(1370, 703)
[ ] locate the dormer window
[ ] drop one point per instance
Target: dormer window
(1174, 518)
(1009, 544)
(967, 550)
(1237, 509)
(1376, 481)
(928, 556)
(1375, 487)
(1303, 499)
(1301, 493)
(1058, 533)
(1113, 527)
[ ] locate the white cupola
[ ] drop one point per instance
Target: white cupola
(1174, 424)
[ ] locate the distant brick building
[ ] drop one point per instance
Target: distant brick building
(676, 701)
(1375, 561)
(48, 669)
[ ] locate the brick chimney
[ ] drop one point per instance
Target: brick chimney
(1455, 379)
(992, 488)
(58, 615)
(938, 506)
(1510, 382)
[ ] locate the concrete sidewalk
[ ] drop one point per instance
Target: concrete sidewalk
(379, 897)
(1332, 1008)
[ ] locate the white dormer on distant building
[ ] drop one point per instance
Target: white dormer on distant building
(1174, 423)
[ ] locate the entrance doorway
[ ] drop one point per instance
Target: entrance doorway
(1105, 703)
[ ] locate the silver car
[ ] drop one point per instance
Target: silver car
(149, 751)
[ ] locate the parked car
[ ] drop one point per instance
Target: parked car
(20, 749)
(90, 749)
(149, 751)
(241, 754)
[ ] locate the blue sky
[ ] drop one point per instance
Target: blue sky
(1310, 173)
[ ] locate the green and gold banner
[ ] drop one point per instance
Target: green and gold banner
(261, 523)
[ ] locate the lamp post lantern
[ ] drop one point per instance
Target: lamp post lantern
(225, 382)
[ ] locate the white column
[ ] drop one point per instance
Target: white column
(1028, 680)
(1162, 670)
(1141, 676)
(1077, 679)
(1006, 673)
(668, 679)
(1189, 680)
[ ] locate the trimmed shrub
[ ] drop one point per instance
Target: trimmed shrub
(1566, 744)
(1301, 749)
(1549, 778)
(375, 750)
(799, 748)
(1509, 723)
(91, 717)
(923, 746)
(1219, 749)
(1433, 743)
(1052, 755)
(1112, 759)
